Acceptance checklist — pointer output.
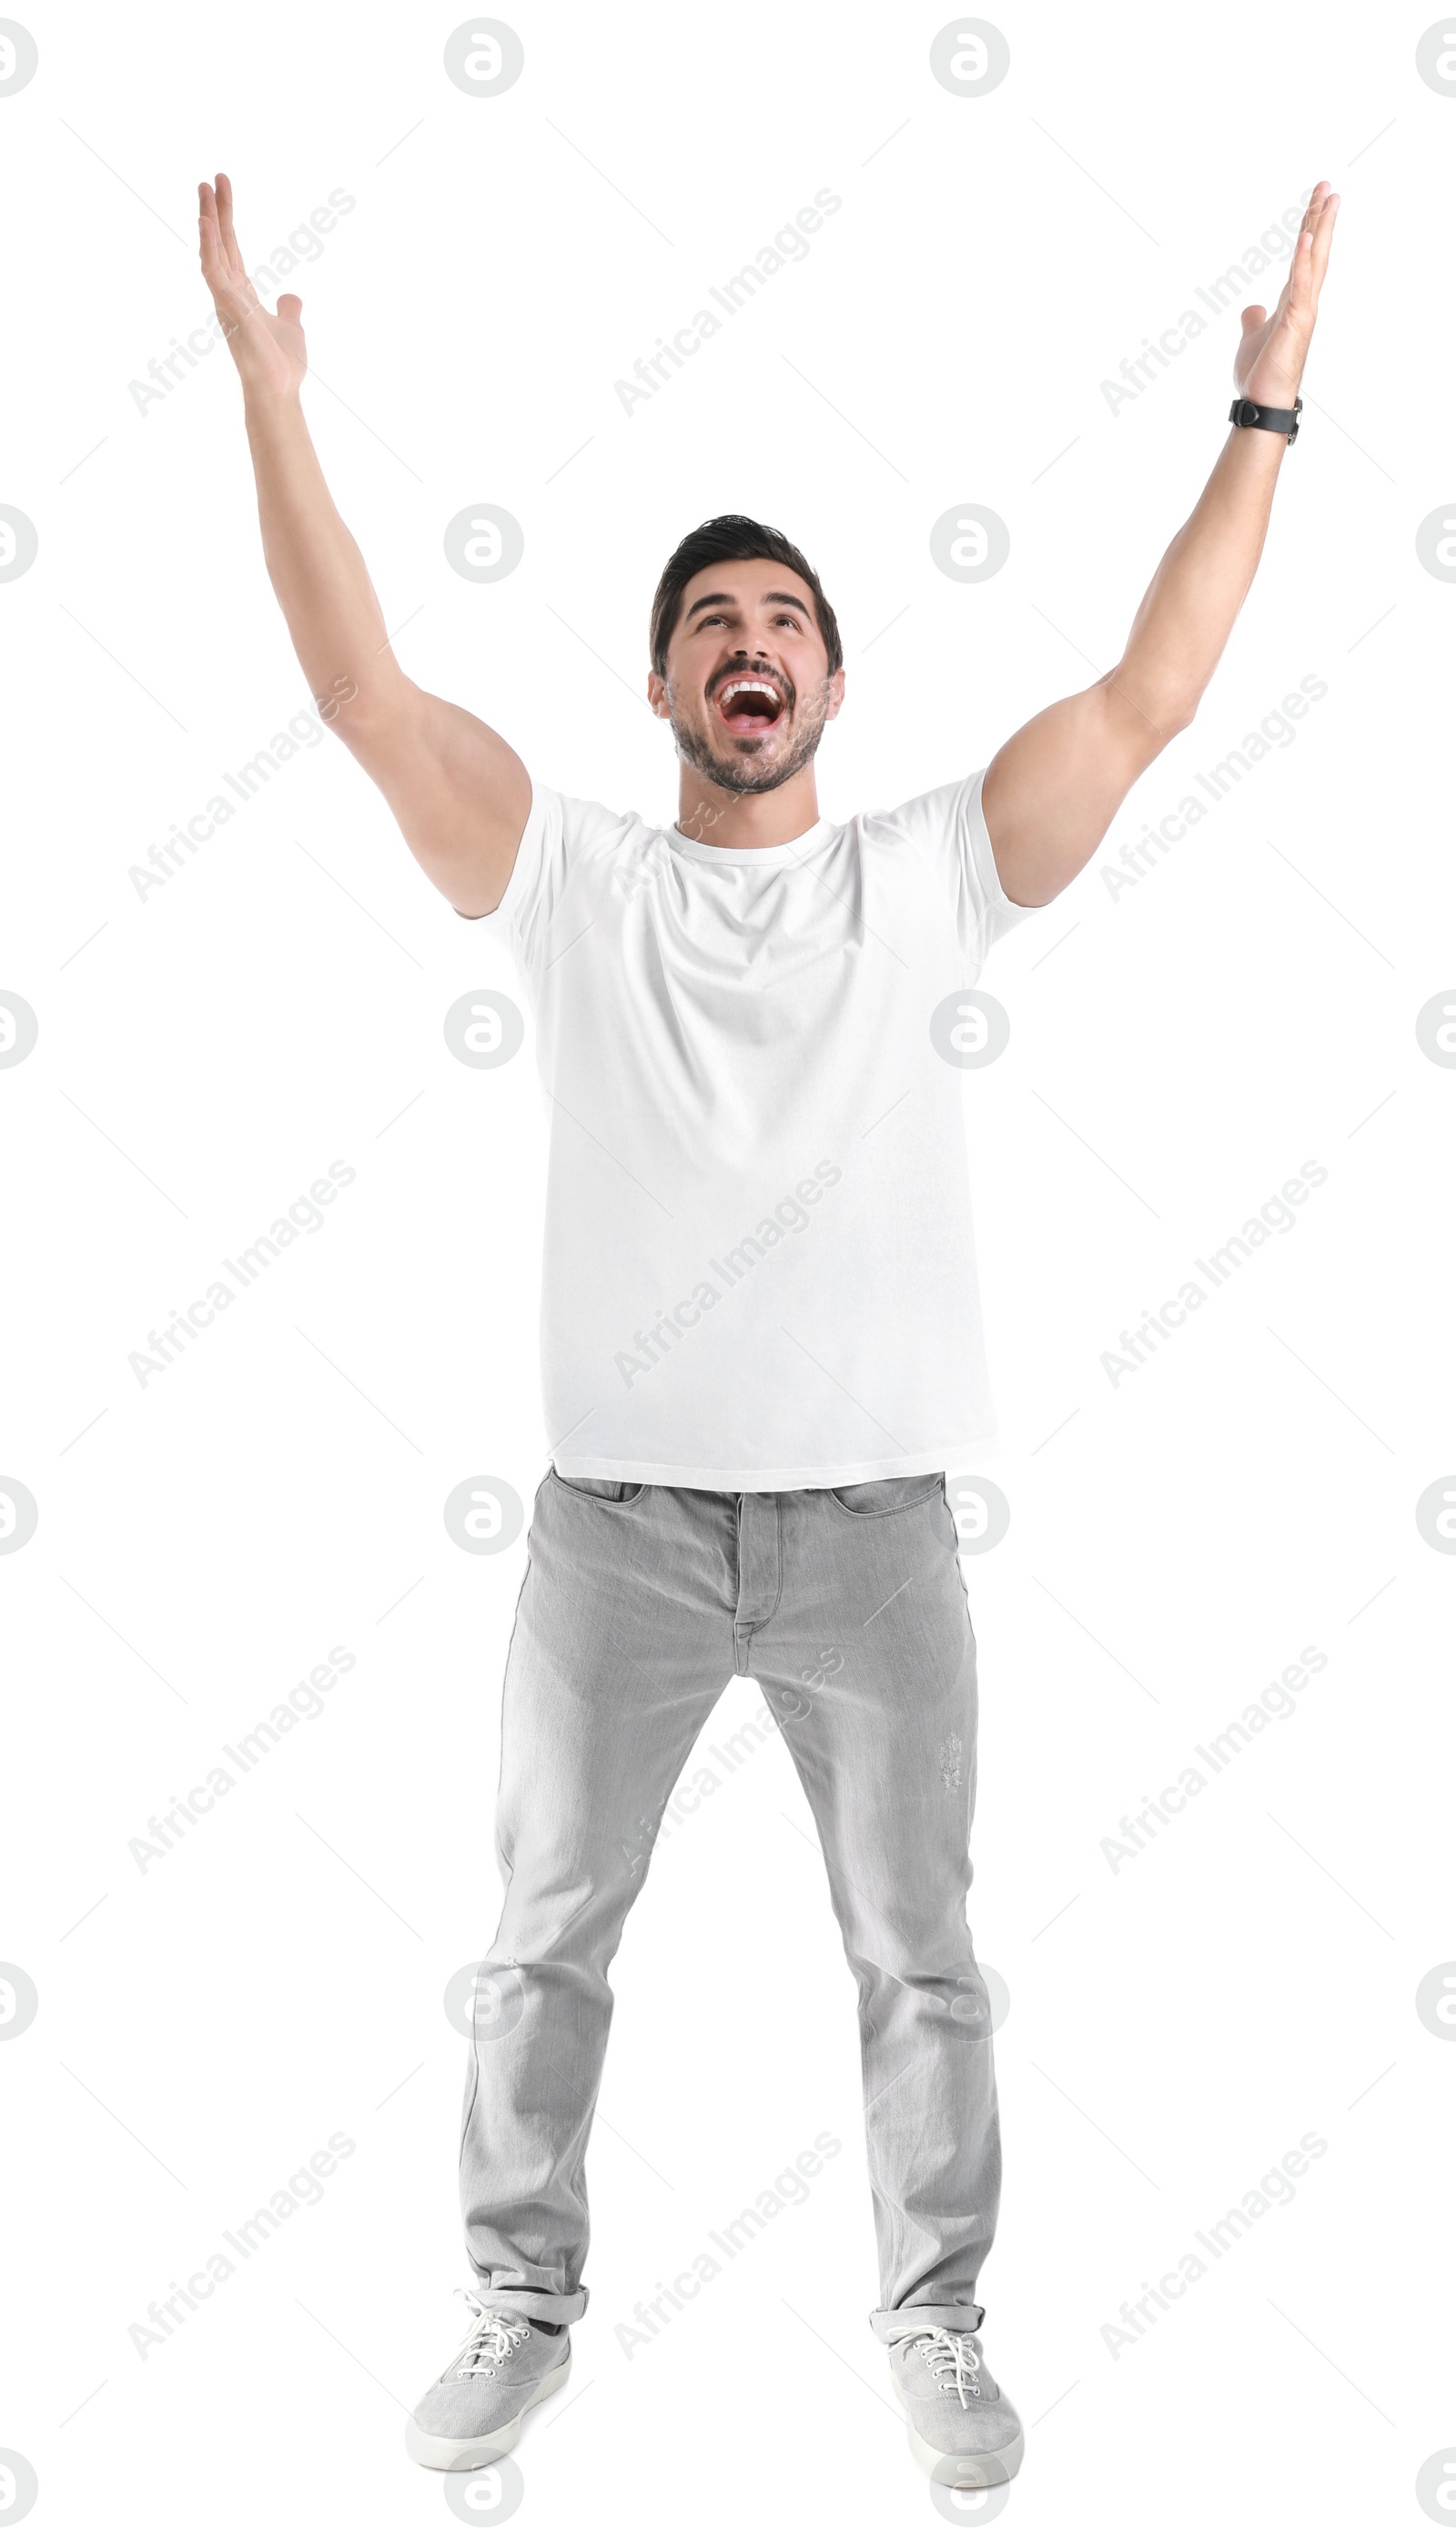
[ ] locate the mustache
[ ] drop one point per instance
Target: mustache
(743, 777)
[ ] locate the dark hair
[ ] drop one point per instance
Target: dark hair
(730, 538)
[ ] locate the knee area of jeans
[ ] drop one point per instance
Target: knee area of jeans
(911, 1945)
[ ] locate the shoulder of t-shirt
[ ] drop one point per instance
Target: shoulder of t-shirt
(942, 829)
(935, 818)
(945, 827)
(560, 832)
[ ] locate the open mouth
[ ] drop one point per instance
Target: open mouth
(749, 703)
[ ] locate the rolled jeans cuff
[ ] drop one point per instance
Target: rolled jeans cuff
(549, 2307)
(963, 2317)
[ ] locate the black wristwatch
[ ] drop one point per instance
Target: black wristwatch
(1274, 419)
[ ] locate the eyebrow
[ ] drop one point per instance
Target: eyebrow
(714, 600)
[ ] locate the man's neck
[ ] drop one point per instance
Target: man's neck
(721, 818)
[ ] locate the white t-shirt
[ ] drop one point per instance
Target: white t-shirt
(759, 1271)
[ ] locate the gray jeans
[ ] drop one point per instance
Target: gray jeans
(848, 1608)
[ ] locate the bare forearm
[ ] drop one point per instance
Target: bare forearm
(1187, 613)
(316, 569)
(457, 790)
(1051, 790)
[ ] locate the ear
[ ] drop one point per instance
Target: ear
(837, 693)
(657, 694)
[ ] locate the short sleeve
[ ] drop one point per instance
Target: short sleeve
(948, 829)
(562, 834)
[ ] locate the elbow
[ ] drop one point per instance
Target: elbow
(1171, 712)
(1154, 712)
(1167, 719)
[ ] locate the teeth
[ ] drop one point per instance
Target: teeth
(735, 689)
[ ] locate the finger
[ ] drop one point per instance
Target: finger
(1323, 238)
(1253, 316)
(210, 241)
(232, 253)
(1311, 256)
(290, 307)
(230, 248)
(233, 294)
(1313, 207)
(1299, 287)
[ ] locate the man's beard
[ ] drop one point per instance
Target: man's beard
(743, 777)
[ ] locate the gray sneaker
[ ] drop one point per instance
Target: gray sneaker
(963, 2430)
(474, 2411)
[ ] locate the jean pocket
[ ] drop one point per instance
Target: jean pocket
(601, 1490)
(887, 1494)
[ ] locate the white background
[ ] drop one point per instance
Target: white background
(1176, 1053)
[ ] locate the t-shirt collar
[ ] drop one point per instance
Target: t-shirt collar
(783, 854)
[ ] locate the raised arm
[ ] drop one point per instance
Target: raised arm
(457, 790)
(1051, 790)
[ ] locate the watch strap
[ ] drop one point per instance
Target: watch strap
(1273, 419)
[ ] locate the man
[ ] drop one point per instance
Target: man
(761, 1337)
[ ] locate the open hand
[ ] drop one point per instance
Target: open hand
(269, 351)
(1271, 352)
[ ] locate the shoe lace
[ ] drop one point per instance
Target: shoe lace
(952, 2359)
(492, 2338)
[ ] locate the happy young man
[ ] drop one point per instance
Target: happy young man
(761, 1337)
